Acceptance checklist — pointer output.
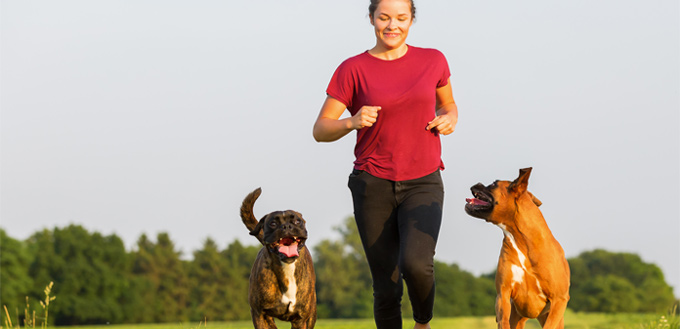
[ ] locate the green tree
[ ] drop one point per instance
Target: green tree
(611, 294)
(162, 276)
(90, 273)
(603, 281)
(343, 280)
(239, 260)
(145, 280)
(15, 282)
(459, 293)
(207, 272)
(220, 282)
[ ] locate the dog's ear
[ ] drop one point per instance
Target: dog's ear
(258, 231)
(536, 201)
(520, 184)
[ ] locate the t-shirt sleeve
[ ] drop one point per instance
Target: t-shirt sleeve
(341, 86)
(444, 69)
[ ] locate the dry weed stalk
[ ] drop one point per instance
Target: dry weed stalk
(8, 320)
(29, 322)
(46, 304)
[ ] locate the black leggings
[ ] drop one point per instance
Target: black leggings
(399, 224)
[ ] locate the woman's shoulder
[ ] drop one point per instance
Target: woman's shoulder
(354, 63)
(428, 55)
(422, 51)
(358, 58)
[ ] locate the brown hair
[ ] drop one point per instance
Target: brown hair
(374, 5)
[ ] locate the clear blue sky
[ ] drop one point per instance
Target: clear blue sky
(134, 117)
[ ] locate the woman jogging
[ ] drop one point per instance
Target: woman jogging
(400, 100)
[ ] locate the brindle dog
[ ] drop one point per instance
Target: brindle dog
(282, 280)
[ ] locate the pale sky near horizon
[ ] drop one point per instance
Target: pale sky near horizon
(133, 117)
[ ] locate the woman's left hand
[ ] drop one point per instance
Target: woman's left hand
(444, 124)
(447, 111)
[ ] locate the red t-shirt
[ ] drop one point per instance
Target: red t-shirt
(397, 147)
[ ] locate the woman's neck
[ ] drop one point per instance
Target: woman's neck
(388, 54)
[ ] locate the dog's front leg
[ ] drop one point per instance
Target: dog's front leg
(302, 324)
(555, 318)
(517, 321)
(503, 310)
(262, 321)
(310, 322)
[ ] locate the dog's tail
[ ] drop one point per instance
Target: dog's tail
(248, 216)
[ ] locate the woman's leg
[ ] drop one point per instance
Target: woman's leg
(375, 215)
(419, 216)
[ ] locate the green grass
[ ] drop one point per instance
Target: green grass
(572, 321)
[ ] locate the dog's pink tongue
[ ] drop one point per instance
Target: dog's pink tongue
(290, 250)
(476, 201)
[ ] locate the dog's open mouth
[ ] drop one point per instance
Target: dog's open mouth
(288, 246)
(477, 202)
(482, 201)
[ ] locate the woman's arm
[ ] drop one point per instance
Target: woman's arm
(447, 111)
(329, 128)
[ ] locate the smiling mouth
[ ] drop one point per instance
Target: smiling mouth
(288, 246)
(478, 201)
(482, 201)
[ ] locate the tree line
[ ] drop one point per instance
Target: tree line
(97, 281)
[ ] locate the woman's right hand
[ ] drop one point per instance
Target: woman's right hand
(365, 117)
(329, 127)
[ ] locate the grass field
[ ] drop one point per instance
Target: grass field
(572, 321)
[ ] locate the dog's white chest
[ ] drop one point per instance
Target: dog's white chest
(288, 297)
(517, 271)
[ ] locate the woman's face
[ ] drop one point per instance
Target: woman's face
(391, 20)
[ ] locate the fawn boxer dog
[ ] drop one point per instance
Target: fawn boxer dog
(532, 280)
(282, 280)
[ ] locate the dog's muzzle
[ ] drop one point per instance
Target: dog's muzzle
(288, 247)
(482, 203)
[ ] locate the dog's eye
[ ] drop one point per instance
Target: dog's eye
(273, 224)
(297, 221)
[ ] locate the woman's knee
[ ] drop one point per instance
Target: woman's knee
(417, 268)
